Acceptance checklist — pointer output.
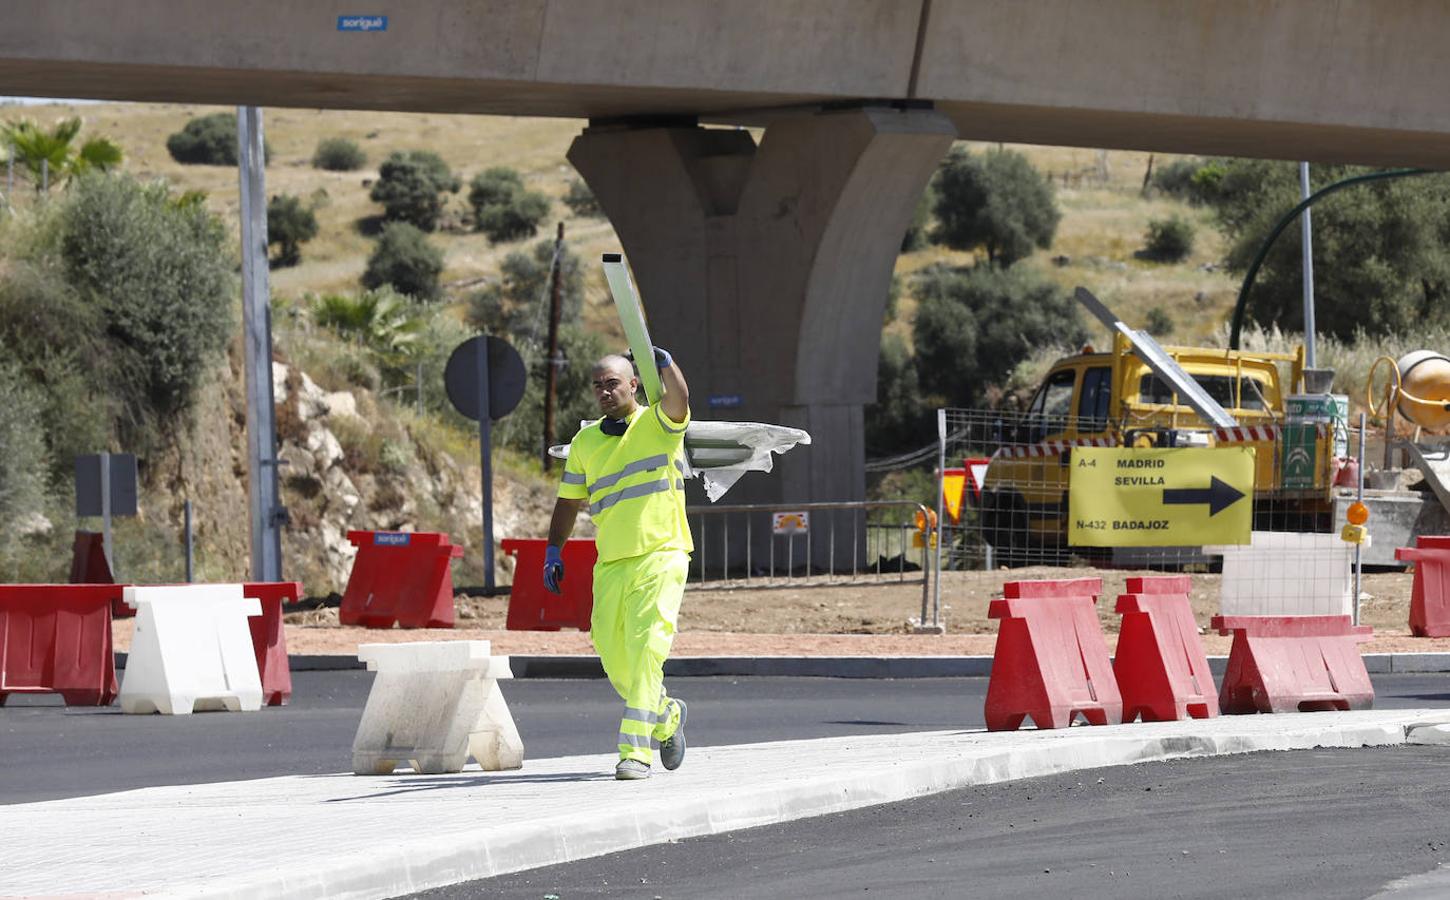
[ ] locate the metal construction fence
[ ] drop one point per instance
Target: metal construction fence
(754, 545)
(1008, 502)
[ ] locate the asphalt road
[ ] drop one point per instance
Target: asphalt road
(48, 751)
(1312, 824)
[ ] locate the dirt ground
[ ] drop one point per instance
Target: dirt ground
(835, 620)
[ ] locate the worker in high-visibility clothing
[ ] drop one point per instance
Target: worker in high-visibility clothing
(628, 469)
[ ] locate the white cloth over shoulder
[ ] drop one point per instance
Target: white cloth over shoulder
(720, 452)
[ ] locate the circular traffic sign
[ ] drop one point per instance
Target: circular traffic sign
(506, 377)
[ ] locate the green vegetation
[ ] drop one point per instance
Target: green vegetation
(411, 186)
(519, 301)
(338, 155)
(23, 463)
(1159, 323)
(289, 226)
(582, 202)
(1168, 240)
(382, 321)
(973, 325)
(116, 304)
(517, 308)
(1382, 249)
(502, 208)
(995, 201)
(209, 141)
(158, 275)
(406, 261)
(51, 156)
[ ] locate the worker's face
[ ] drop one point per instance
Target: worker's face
(614, 388)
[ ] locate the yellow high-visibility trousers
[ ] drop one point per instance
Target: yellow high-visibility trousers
(636, 608)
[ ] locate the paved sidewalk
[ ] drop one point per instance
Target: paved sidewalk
(346, 836)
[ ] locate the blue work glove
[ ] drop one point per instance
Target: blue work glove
(553, 569)
(663, 359)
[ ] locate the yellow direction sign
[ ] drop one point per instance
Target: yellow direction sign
(1118, 497)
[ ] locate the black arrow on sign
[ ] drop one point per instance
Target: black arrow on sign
(1218, 495)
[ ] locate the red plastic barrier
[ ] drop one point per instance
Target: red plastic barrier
(1289, 663)
(1051, 661)
(56, 639)
(1430, 592)
(403, 577)
(531, 606)
(1160, 665)
(88, 566)
(269, 638)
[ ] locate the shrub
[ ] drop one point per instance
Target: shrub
(209, 141)
(582, 202)
(502, 208)
(405, 260)
(1175, 179)
(160, 276)
(1168, 240)
(898, 420)
(517, 303)
(382, 321)
(996, 201)
(1159, 323)
(289, 225)
(410, 186)
(58, 342)
(338, 155)
(973, 326)
(23, 460)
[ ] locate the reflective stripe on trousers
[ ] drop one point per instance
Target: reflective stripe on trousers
(636, 607)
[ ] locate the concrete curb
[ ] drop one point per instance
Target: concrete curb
(821, 666)
(449, 829)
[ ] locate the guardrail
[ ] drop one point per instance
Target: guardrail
(822, 544)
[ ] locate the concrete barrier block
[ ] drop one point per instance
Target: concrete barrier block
(191, 650)
(435, 704)
(1431, 735)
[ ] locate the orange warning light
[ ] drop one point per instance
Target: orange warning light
(922, 520)
(1357, 514)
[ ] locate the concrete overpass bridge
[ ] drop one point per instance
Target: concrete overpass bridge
(766, 266)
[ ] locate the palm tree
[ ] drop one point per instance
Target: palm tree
(379, 320)
(51, 155)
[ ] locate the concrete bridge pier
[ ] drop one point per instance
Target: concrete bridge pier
(765, 269)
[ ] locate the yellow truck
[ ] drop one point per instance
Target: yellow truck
(1116, 399)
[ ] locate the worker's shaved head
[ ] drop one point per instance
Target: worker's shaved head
(616, 364)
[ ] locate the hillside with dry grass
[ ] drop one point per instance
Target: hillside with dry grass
(362, 458)
(1105, 213)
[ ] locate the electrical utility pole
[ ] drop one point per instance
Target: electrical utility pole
(263, 499)
(556, 292)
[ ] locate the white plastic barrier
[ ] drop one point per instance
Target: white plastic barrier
(435, 704)
(191, 650)
(1286, 574)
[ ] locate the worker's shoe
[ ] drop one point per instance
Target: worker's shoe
(672, 749)
(631, 770)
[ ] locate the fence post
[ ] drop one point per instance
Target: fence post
(941, 465)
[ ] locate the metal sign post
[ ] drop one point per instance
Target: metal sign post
(485, 460)
(106, 509)
(485, 379)
(106, 487)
